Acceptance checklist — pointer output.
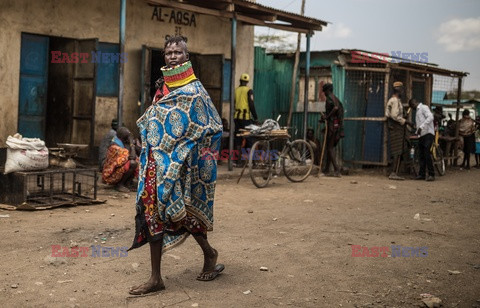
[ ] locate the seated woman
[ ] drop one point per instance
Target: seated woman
(121, 166)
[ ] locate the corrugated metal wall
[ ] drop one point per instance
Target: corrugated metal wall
(272, 90)
(273, 77)
(364, 97)
(271, 85)
(361, 92)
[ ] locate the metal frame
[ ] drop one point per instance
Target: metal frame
(18, 189)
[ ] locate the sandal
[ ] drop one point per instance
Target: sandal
(208, 276)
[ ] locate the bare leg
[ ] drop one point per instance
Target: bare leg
(155, 283)
(210, 255)
(396, 167)
(397, 164)
(331, 154)
(332, 158)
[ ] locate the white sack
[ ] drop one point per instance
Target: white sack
(25, 154)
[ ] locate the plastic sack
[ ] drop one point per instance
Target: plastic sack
(25, 154)
(267, 126)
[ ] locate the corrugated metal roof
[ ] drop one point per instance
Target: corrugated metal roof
(324, 23)
(418, 65)
(425, 67)
(248, 12)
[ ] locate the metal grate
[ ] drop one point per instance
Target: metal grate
(50, 188)
(364, 117)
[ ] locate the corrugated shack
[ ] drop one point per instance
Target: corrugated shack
(362, 80)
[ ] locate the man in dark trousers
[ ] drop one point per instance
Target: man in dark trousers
(426, 131)
(334, 117)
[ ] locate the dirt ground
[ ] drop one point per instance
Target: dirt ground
(302, 233)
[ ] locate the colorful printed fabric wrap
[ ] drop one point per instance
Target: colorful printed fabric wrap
(180, 133)
(116, 164)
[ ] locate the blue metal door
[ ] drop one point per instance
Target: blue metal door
(373, 138)
(33, 86)
(227, 72)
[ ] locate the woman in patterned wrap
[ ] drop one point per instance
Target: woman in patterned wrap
(180, 133)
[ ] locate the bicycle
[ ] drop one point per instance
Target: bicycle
(295, 160)
(436, 154)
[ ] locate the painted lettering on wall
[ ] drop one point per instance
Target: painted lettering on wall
(177, 17)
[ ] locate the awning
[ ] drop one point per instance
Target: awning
(247, 12)
(397, 62)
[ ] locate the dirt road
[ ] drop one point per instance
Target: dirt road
(302, 233)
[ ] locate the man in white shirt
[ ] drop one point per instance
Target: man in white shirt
(424, 124)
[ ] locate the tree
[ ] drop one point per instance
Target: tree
(473, 94)
(277, 43)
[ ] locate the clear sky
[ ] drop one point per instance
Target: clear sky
(448, 30)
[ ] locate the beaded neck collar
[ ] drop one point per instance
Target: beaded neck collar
(179, 75)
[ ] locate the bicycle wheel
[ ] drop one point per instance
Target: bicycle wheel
(438, 161)
(297, 164)
(260, 163)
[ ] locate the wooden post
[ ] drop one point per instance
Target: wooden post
(307, 84)
(457, 127)
(294, 73)
(385, 127)
(428, 90)
(233, 50)
(121, 65)
(409, 86)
